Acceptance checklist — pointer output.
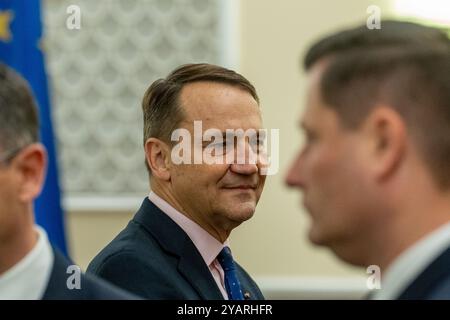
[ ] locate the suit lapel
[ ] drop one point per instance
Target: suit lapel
(192, 266)
(174, 240)
(249, 289)
(421, 287)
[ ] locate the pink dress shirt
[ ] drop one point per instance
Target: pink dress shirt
(208, 246)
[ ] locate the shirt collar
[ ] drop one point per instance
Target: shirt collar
(412, 262)
(28, 279)
(208, 246)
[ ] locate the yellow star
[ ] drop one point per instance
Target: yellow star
(5, 21)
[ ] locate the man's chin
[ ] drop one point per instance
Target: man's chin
(242, 212)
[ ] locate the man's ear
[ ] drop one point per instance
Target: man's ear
(386, 130)
(31, 166)
(157, 154)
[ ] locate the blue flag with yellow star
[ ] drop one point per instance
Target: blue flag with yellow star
(20, 48)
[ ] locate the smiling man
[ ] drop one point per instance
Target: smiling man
(176, 246)
(375, 171)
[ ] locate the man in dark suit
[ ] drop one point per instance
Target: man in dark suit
(375, 167)
(176, 246)
(29, 267)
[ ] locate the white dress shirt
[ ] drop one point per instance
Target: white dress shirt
(28, 279)
(413, 261)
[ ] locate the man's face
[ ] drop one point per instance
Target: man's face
(219, 195)
(22, 174)
(330, 171)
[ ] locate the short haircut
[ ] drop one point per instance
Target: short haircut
(404, 65)
(19, 122)
(161, 104)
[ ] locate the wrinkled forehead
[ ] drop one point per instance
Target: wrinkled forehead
(220, 106)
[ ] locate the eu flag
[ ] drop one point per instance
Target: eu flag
(20, 48)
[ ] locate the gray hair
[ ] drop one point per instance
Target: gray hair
(19, 122)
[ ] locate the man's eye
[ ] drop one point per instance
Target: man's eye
(257, 144)
(216, 145)
(220, 146)
(310, 137)
(228, 145)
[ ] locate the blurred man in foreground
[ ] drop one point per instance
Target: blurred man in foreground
(375, 168)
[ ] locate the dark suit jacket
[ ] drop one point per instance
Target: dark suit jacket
(433, 282)
(92, 288)
(155, 259)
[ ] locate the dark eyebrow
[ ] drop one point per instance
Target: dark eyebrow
(231, 135)
(213, 139)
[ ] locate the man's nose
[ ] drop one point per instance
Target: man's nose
(294, 176)
(246, 168)
(245, 161)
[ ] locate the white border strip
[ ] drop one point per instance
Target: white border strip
(312, 287)
(102, 204)
(229, 33)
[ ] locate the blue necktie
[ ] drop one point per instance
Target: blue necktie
(231, 280)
